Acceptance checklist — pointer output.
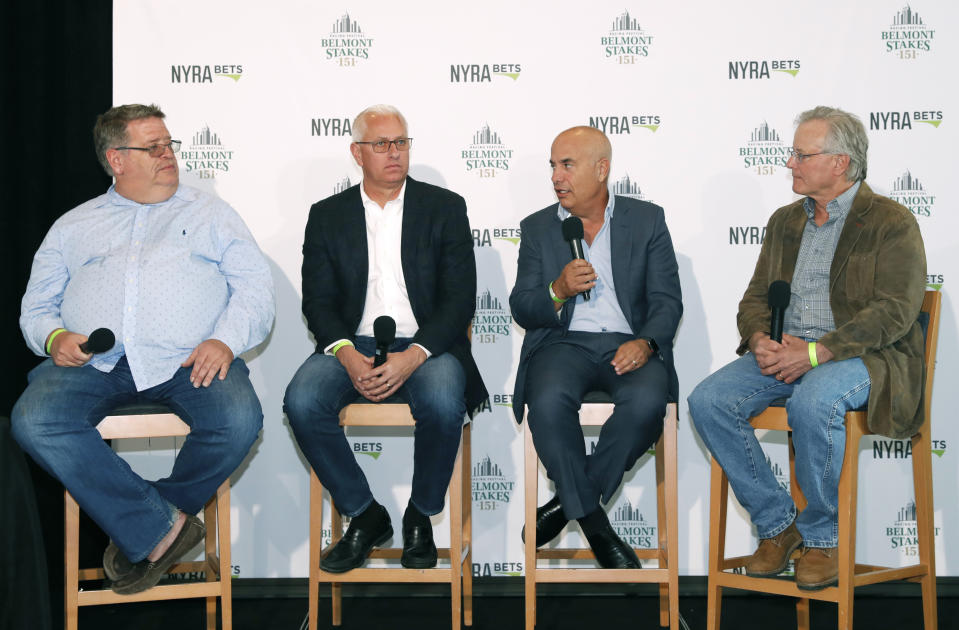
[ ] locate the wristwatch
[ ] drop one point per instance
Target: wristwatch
(652, 344)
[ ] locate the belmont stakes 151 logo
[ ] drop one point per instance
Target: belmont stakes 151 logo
(903, 534)
(618, 125)
(626, 186)
(633, 528)
(781, 477)
(626, 41)
(907, 36)
(341, 185)
(909, 191)
(491, 488)
(346, 44)
(204, 74)
(206, 155)
(487, 154)
(492, 320)
(764, 151)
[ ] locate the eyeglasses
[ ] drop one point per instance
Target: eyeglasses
(155, 150)
(382, 146)
(799, 157)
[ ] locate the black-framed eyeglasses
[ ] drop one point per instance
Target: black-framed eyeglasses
(155, 150)
(382, 146)
(799, 157)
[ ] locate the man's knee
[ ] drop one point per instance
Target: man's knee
(309, 395)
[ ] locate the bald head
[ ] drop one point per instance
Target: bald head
(580, 159)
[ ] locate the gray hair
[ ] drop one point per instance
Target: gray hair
(359, 123)
(846, 136)
(110, 130)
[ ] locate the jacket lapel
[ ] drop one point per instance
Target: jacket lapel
(621, 252)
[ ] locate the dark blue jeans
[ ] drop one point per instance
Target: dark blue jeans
(559, 376)
(55, 422)
(436, 395)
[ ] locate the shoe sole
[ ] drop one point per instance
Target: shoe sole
(429, 564)
(818, 586)
(777, 571)
(376, 543)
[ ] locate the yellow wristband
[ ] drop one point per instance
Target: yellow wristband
(552, 294)
(813, 361)
(53, 336)
(340, 345)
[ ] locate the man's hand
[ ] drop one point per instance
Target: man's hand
(209, 359)
(383, 381)
(791, 359)
(357, 366)
(65, 349)
(577, 276)
(765, 349)
(630, 356)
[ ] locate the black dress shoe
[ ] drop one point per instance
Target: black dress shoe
(419, 551)
(610, 550)
(550, 521)
(361, 536)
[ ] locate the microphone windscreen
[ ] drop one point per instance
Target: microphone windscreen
(572, 229)
(779, 294)
(384, 329)
(100, 340)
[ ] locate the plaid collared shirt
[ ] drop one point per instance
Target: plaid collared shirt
(809, 314)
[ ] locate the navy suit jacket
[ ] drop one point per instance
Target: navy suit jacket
(645, 274)
(436, 251)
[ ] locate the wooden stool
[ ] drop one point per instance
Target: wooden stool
(149, 421)
(851, 574)
(459, 574)
(667, 514)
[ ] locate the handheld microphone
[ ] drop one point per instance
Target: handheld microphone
(384, 330)
(573, 234)
(100, 340)
(779, 296)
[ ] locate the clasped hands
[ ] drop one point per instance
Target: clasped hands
(787, 360)
(379, 383)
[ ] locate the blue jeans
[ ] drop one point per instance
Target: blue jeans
(816, 404)
(435, 392)
(55, 422)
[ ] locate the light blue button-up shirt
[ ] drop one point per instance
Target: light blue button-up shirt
(163, 277)
(602, 312)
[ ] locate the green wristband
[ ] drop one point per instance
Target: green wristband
(552, 294)
(813, 361)
(53, 336)
(340, 345)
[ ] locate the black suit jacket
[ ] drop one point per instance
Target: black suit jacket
(644, 271)
(436, 250)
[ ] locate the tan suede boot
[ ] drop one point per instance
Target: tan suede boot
(772, 556)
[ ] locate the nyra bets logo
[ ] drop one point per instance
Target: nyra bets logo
(484, 237)
(492, 320)
(626, 41)
(487, 155)
(205, 155)
(483, 72)
(764, 151)
(907, 37)
(632, 527)
(910, 192)
(346, 44)
(205, 73)
(491, 487)
(623, 124)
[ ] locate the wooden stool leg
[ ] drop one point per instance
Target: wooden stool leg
(671, 481)
(456, 539)
(661, 526)
(530, 475)
(316, 546)
(718, 498)
(71, 561)
(848, 491)
(336, 588)
(467, 502)
(925, 524)
(209, 557)
(226, 568)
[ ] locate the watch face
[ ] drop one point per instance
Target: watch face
(652, 344)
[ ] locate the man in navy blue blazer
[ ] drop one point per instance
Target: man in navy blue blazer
(618, 340)
(397, 247)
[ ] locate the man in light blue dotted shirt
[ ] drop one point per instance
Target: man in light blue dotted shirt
(176, 274)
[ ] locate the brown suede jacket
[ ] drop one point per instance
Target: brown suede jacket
(876, 286)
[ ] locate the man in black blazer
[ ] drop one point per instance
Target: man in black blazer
(397, 247)
(619, 341)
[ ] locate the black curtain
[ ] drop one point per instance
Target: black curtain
(57, 76)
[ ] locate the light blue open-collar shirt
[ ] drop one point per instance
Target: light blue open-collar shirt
(602, 313)
(163, 277)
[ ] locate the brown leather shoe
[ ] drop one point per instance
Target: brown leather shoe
(817, 568)
(772, 556)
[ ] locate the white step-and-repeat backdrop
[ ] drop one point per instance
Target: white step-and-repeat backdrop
(698, 99)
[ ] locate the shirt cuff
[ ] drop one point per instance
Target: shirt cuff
(423, 348)
(329, 349)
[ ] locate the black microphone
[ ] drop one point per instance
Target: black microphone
(384, 330)
(573, 234)
(100, 340)
(779, 295)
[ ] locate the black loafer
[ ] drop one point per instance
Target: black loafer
(145, 574)
(354, 548)
(550, 521)
(419, 551)
(610, 550)
(115, 564)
